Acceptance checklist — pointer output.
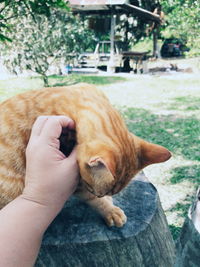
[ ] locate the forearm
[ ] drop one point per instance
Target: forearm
(22, 225)
(51, 178)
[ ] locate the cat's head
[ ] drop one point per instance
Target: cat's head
(106, 169)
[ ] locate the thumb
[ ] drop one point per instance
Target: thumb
(73, 154)
(72, 165)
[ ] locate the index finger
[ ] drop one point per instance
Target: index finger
(54, 124)
(38, 125)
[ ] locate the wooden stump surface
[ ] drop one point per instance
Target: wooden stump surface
(188, 244)
(78, 237)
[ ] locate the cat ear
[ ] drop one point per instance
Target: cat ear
(151, 153)
(100, 170)
(96, 162)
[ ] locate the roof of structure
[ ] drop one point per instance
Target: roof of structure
(106, 7)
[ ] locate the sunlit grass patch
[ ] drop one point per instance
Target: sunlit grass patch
(181, 136)
(15, 86)
(185, 103)
(56, 80)
(182, 208)
(191, 173)
(166, 111)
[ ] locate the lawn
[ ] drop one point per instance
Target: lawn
(165, 110)
(14, 86)
(162, 109)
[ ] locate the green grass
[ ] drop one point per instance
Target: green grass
(182, 137)
(167, 130)
(14, 86)
(166, 110)
(56, 80)
(175, 230)
(186, 172)
(185, 103)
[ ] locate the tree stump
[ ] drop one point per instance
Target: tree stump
(188, 244)
(78, 237)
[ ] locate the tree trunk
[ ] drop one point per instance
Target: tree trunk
(155, 43)
(188, 244)
(79, 237)
(46, 81)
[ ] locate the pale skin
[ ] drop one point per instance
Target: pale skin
(50, 180)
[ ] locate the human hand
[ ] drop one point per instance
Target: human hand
(51, 177)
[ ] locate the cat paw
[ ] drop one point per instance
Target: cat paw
(115, 217)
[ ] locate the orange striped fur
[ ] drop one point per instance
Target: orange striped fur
(108, 154)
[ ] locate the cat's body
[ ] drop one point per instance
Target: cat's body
(108, 155)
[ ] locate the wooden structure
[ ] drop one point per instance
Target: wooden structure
(188, 244)
(112, 8)
(139, 58)
(79, 237)
(108, 7)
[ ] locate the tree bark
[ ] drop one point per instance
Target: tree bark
(79, 237)
(155, 43)
(45, 80)
(188, 244)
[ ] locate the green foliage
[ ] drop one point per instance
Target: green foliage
(43, 6)
(129, 28)
(182, 19)
(13, 9)
(43, 41)
(4, 38)
(183, 22)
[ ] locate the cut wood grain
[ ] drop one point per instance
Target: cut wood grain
(79, 237)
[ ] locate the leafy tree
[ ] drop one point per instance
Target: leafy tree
(41, 42)
(130, 28)
(183, 21)
(10, 9)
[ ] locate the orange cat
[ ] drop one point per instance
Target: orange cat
(108, 155)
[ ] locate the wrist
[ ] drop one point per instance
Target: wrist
(45, 212)
(50, 202)
(23, 223)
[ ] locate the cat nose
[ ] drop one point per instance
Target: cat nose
(101, 194)
(108, 193)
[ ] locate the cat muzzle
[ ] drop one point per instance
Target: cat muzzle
(92, 191)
